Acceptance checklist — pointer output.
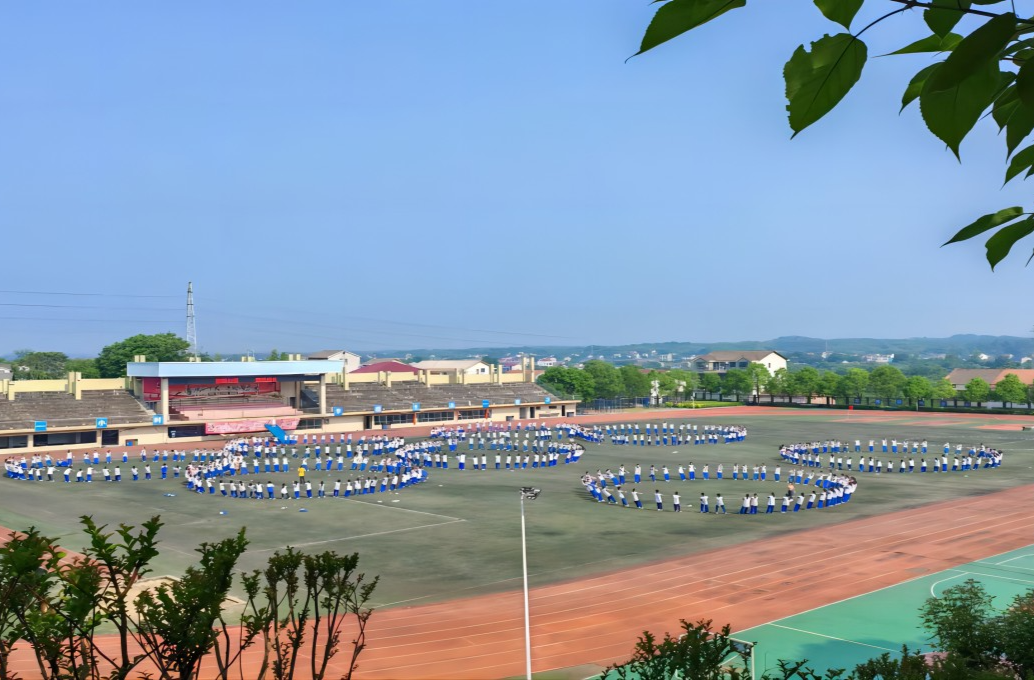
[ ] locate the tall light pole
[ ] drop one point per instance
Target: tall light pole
(531, 494)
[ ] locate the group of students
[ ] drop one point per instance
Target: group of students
(689, 473)
(823, 491)
(51, 470)
(383, 461)
(670, 434)
(302, 487)
(963, 460)
(530, 438)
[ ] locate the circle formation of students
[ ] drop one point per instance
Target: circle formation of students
(670, 434)
(513, 446)
(805, 489)
(384, 464)
(900, 456)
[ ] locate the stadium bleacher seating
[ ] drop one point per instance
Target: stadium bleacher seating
(61, 409)
(401, 395)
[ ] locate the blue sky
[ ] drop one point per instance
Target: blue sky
(450, 174)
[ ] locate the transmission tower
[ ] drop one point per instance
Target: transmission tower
(191, 327)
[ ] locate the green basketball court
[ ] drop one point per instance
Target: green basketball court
(846, 633)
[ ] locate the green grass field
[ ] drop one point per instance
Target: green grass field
(459, 533)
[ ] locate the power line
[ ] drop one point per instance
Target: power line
(135, 309)
(352, 329)
(77, 294)
(88, 320)
(425, 325)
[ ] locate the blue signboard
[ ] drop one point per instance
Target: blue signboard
(102, 423)
(878, 402)
(944, 403)
(338, 410)
(485, 403)
(452, 404)
(40, 426)
(517, 402)
(922, 402)
(158, 420)
(377, 408)
(898, 402)
(547, 400)
(858, 400)
(416, 405)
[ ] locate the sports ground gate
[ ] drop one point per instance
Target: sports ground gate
(163, 402)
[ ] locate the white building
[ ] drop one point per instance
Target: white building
(351, 359)
(453, 366)
(721, 361)
(878, 358)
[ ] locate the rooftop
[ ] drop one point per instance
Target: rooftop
(215, 369)
(385, 367)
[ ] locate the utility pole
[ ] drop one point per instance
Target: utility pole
(191, 324)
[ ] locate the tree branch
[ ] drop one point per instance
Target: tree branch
(965, 10)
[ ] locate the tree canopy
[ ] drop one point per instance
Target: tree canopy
(112, 360)
(30, 365)
(988, 69)
(976, 390)
(1011, 389)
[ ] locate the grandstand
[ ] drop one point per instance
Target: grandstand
(194, 401)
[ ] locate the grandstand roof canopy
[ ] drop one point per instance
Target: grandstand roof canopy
(215, 369)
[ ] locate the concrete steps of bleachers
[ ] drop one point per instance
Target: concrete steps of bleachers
(61, 409)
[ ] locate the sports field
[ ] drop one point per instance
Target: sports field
(457, 536)
(843, 634)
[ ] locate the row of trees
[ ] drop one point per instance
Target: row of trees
(974, 640)
(887, 383)
(294, 614)
(600, 380)
(27, 364)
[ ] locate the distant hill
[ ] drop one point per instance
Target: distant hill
(958, 345)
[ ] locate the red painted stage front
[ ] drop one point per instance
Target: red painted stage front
(153, 389)
(242, 426)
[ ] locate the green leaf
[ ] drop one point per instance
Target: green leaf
(1025, 83)
(1024, 160)
(999, 245)
(944, 15)
(950, 114)
(1005, 106)
(979, 48)
(984, 223)
(1020, 124)
(840, 11)
(931, 43)
(915, 86)
(817, 81)
(678, 16)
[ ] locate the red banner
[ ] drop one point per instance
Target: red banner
(153, 390)
(241, 426)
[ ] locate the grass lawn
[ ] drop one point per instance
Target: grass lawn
(458, 534)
